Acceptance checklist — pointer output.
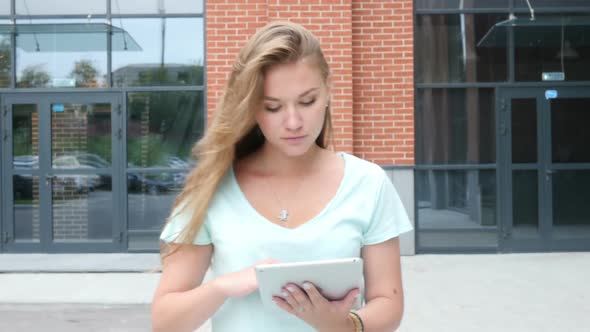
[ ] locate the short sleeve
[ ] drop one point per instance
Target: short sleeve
(389, 218)
(178, 222)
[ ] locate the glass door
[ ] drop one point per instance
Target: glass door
(60, 153)
(544, 174)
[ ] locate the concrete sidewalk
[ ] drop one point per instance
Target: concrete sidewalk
(516, 292)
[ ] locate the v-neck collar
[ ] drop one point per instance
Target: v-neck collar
(244, 200)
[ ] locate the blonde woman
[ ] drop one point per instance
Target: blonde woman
(267, 188)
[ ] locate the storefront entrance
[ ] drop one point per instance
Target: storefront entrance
(544, 168)
(61, 172)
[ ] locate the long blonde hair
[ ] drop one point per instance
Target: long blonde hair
(234, 134)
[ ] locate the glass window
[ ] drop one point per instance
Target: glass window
(26, 207)
(452, 203)
(455, 126)
(554, 44)
(447, 49)
(524, 130)
(569, 130)
(156, 7)
(536, 4)
(82, 207)
(25, 136)
(571, 213)
(5, 59)
(461, 4)
(171, 52)
(61, 53)
(162, 127)
(150, 198)
(5, 7)
(61, 7)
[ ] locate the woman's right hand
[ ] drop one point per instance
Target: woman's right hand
(240, 283)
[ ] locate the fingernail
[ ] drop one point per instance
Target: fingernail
(291, 289)
(306, 285)
(283, 294)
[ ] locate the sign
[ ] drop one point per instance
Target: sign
(554, 76)
(57, 108)
(64, 83)
(550, 94)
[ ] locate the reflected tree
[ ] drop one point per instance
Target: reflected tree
(85, 74)
(34, 77)
(5, 63)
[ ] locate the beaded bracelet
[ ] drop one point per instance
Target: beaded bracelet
(359, 326)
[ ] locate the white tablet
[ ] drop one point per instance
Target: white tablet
(335, 278)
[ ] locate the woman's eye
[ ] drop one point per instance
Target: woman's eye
(308, 102)
(272, 109)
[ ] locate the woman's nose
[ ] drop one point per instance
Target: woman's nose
(293, 120)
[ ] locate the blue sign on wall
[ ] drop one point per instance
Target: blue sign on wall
(58, 107)
(550, 94)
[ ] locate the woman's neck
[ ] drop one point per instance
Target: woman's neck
(275, 163)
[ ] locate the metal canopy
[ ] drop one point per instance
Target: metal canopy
(69, 37)
(543, 31)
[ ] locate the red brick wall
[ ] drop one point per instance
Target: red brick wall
(368, 44)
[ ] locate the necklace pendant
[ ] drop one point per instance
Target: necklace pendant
(284, 215)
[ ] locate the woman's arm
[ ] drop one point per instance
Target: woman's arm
(383, 287)
(181, 302)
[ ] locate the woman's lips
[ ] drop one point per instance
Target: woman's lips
(294, 140)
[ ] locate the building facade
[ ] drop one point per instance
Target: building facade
(475, 109)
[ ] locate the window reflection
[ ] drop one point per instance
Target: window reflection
(61, 53)
(447, 51)
(5, 62)
(455, 126)
(460, 4)
(60, 7)
(156, 7)
(162, 128)
(159, 62)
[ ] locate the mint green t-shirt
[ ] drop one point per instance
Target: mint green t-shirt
(366, 210)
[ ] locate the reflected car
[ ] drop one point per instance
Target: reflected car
(151, 184)
(81, 182)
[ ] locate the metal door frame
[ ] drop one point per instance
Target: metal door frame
(544, 167)
(43, 102)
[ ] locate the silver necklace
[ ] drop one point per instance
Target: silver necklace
(284, 212)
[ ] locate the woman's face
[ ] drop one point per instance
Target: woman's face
(294, 107)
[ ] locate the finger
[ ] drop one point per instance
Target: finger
(291, 300)
(314, 295)
(300, 296)
(348, 300)
(281, 303)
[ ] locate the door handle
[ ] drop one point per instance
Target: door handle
(548, 173)
(48, 179)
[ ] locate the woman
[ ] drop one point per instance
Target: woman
(267, 189)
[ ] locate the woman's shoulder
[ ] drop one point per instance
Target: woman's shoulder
(359, 167)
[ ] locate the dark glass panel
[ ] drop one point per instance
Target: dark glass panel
(461, 4)
(524, 130)
(455, 126)
(571, 211)
(525, 203)
(446, 48)
(172, 52)
(556, 44)
(569, 130)
(162, 127)
(536, 4)
(456, 199)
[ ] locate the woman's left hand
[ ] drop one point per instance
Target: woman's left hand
(309, 305)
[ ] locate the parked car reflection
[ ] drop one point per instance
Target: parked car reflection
(152, 184)
(81, 182)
